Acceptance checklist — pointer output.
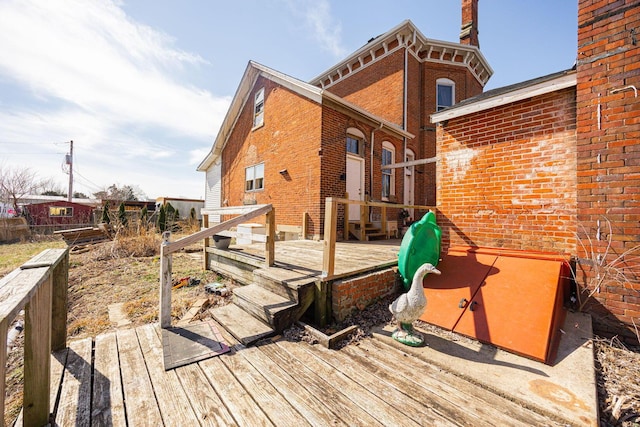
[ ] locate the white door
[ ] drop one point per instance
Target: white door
(355, 184)
(409, 182)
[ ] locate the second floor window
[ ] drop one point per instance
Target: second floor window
(258, 109)
(254, 177)
(445, 93)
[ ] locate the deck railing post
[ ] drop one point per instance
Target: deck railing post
(383, 220)
(346, 217)
(37, 356)
(270, 244)
(363, 221)
(207, 242)
(305, 226)
(329, 249)
(59, 304)
(165, 283)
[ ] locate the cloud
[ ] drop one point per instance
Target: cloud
(317, 15)
(92, 56)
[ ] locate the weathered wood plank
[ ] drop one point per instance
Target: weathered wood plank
(196, 237)
(108, 403)
(365, 398)
(435, 385)
(172, 400)
(75, 394)
(4, 327)
(58, 363)
(518, 414)
(206, 403)
(17, 289)
(279, 411)
(37, 355)
(338, 402)
(303, 401)
(140, 401)
(241, 405)
(340, 361)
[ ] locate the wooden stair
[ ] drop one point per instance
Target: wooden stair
(265, 307)
(370, 232)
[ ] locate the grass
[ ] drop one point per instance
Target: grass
(14, 255)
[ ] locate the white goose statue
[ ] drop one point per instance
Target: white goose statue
(409, 307)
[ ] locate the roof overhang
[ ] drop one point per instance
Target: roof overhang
(406, 35)
(503, 96)
(309, 91)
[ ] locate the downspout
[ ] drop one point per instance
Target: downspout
(405, 96)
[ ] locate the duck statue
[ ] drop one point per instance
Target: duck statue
(409, 307)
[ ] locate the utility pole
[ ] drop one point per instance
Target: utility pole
(70, 163)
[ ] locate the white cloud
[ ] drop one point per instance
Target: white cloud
(90, 54)
(86, 71)
(317, 15)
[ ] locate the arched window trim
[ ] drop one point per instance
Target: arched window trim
(355, 134)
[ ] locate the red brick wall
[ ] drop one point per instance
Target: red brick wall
(378, 87)
(506, 176)
(355, 294)
(289, 139)
(333, 183)
(609, 151)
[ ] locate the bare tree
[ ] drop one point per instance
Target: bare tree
(16, 183)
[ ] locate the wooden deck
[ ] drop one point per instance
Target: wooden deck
(305, 256)
(118, 379)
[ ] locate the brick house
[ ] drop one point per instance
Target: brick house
(546, 164)
(293, 143)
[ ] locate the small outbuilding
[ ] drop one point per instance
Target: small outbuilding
(58, 214)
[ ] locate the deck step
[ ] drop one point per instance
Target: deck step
(267, 306)
(243, 326)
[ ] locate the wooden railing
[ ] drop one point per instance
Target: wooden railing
(167, 248)
(39, 287)
(331, 223)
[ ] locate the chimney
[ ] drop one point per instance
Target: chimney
(469, 29)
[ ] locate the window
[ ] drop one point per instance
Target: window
(60, 211)
(388, 175)
(355, 139)
(445, 93)
(258, 109)
(254, 177)
(353, 145)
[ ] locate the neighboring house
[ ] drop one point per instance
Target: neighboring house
(549, 163)
(58, 215)
(293, 144)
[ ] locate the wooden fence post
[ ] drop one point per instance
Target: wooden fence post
(165, 283)
(59, 304)
(346, 217)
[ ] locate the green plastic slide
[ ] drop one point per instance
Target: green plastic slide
(420, 244)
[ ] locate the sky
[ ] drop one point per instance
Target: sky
(142, 86)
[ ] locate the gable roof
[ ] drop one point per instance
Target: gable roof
(309, 91)
(406, 34)
(508, 94)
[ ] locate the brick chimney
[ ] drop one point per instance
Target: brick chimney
(469, 29)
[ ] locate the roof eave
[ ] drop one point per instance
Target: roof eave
(500, 99)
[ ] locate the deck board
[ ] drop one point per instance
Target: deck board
(278, 382)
